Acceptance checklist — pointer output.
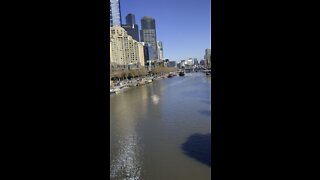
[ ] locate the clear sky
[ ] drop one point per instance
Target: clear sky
(183, 26)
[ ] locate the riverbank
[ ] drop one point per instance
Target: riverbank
(127, 83)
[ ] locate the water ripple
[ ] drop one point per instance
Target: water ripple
(126, 164)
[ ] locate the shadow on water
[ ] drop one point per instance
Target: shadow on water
(198, 146)
(205, 112)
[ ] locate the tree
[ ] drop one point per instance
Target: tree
(123, 74)
(132, 73)
(143, 71)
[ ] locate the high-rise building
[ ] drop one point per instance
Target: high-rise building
(115, 13)
(132, 31)
(130, 19)
(124, 50)
(207, 57)
(160, 50)
(148, 50)
(195, 61)
(148, 33)
(131, 27)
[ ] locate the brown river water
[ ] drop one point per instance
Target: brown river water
(162, 130)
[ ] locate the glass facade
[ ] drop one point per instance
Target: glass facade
(148, 23)
(131, 27)
(115, 13)
(148, 34)
(132, 31)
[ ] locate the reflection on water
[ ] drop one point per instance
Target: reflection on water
(155, 99)
(126, 162)
(155, 130)
(125, 148)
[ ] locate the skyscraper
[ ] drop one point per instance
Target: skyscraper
(130, 19)
(148, 34)
(207, 57)
(115, 13)
(160, 50)
(147, 50)
(131, 27)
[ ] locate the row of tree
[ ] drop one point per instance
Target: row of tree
(125, 74)
(141, 72)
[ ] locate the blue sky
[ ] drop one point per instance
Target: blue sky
(184, 26)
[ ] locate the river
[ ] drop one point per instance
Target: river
(162, 130)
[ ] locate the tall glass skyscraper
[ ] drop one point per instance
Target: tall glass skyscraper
(131, 27)
(115, 13)
(148, 34)
(130, 19)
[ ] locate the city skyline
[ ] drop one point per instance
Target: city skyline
(184, 26)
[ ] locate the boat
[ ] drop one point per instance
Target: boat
(141, 83)
(181, 73)
(114, 90)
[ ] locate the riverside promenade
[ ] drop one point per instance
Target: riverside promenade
(117, 86)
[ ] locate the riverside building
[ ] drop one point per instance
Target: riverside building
(124, 50)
